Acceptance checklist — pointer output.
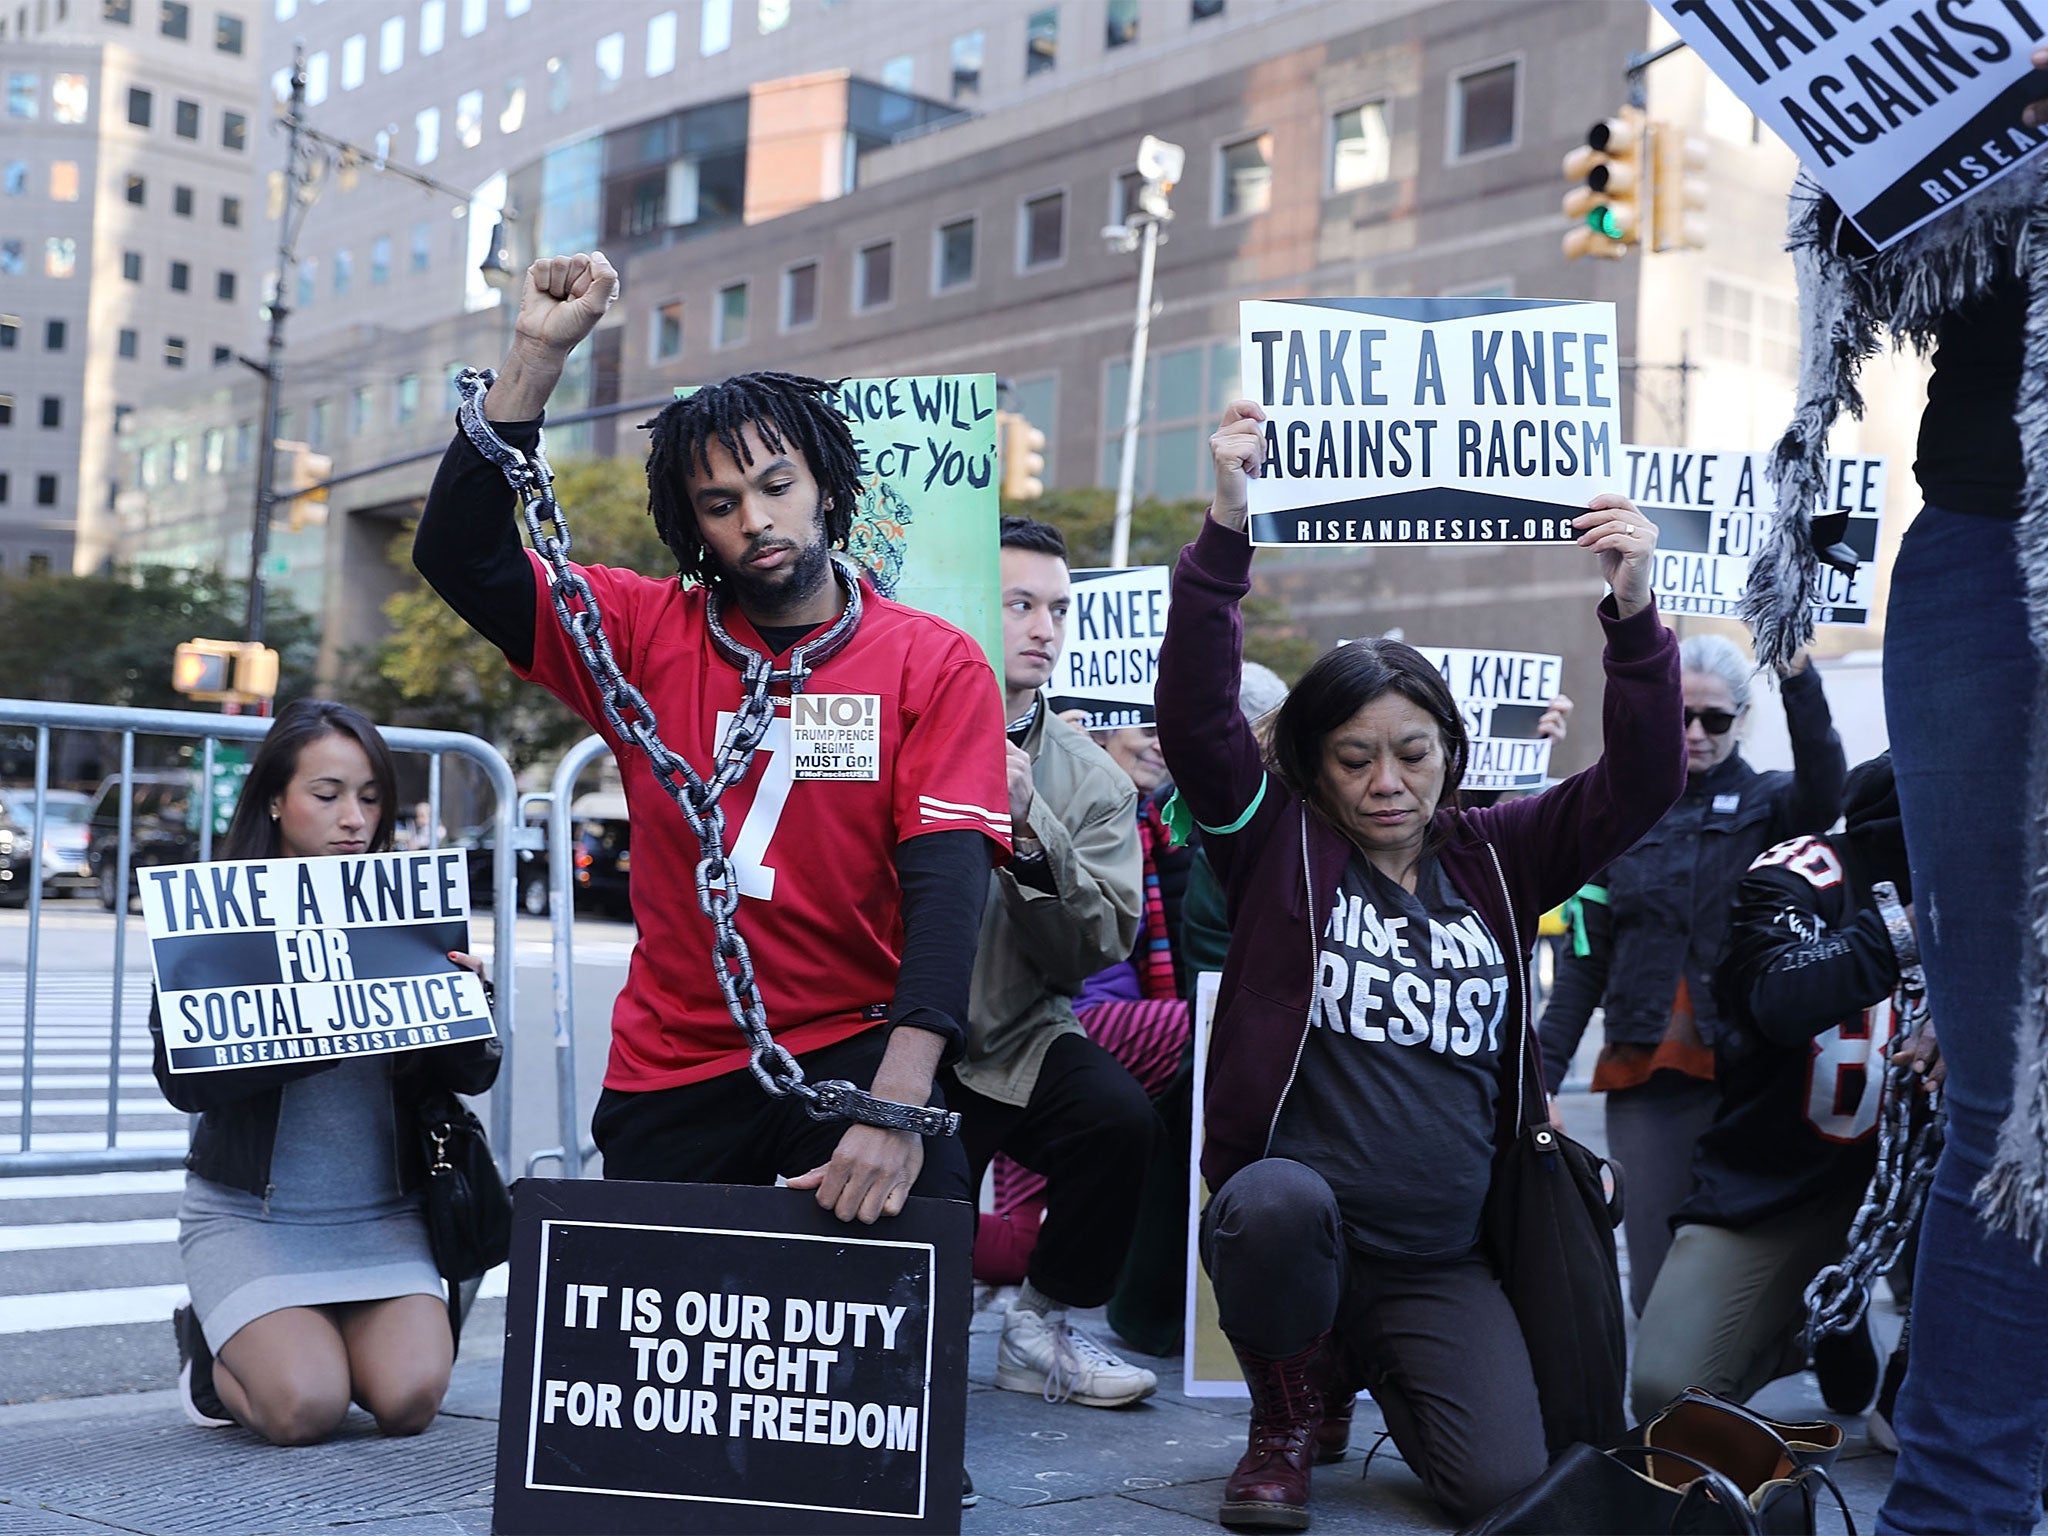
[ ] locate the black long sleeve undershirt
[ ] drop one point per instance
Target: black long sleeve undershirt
(469, 551)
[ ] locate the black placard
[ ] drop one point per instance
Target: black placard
(795, 1373)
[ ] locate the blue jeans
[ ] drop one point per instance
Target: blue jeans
(1960, 678)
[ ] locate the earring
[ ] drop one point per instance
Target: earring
(273, 813)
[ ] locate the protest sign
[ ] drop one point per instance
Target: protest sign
(705, 1357)
(1111, 657)
(1712, 511)
(261, 961)
(1430, 421)
(1502, 695)
(1899, 113)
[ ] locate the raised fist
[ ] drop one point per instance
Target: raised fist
(564, 298)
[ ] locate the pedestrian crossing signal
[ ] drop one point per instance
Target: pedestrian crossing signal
(219, 670)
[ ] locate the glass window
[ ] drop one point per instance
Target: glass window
(558, 84)
(1041, 41)
(187, 120)
(1202, 10)
(309, 281)
(11, 258)
(14, 178)
(63, 181)
(518, 7)
(514, 114)
(899, 73)
(286, 9)
(227, 33)
(380, 261)
(280, 85)
(214, 449)
(359, 410)
(469, 119)
(175, 20)
(53, 335)
(668, 330)
(874, 281)
(224, 287)
(732, 316)
(316, 78)
(1044, 230)
(60, 256)
(1122, 23)
(354, 52)
(181, 458)
(953, 263)
(129, 342)
(1361, 154)
(433, 25)
(1244, 177)
(661, 44)
(245, 443)
(800, 296)
(53, 411)
(119, 13)
(344, 272)
(473, 17)
(234, 131)
(408, 397)
(10, 333)
(319, 424)
(772, 15)
(714, 34)
(422, 245)
(181, 277)
(231, 212)
(137, 190)
(46, 496)
(1177, 391)
(611, 61)
(1485, 104)
(391, 45)
(181, 202)
(139, 102)
(174, 351)
(70, 98)
(426, 125)
(24, 92)
(131, 266)
(967, 51)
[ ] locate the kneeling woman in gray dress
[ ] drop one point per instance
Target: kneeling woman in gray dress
(304, 1247)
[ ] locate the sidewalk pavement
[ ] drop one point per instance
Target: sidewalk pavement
(132, 1463)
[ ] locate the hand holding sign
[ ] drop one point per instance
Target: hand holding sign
(1239, 448)
(2037, 114)
(1625, 540)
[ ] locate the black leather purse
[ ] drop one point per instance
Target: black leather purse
(467, 1207)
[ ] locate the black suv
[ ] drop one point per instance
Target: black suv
(162, 829)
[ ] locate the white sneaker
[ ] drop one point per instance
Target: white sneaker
(1045, 1354)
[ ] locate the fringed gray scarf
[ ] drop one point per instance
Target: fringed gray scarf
(1905, 292)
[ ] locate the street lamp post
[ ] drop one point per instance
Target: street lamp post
(1143, 228)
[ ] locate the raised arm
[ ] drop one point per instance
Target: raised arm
(1813, 799)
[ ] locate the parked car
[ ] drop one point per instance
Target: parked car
(64, 867)
(604, 853)
(480, 843)
(161, 827)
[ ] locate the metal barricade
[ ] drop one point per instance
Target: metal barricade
(209, 730)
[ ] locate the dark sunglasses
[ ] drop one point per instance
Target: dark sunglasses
(1716, 721)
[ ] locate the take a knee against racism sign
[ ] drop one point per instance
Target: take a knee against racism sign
(1111, 658)
(274, 960)
(1430, 421)
(706, 1357)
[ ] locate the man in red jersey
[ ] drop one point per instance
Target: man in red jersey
(862, 877)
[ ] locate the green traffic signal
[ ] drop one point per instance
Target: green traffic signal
(1601, 221)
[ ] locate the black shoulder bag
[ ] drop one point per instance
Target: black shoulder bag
(468, 1210)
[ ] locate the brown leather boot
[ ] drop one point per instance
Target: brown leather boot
(1339, 1396)
(1269, 1489)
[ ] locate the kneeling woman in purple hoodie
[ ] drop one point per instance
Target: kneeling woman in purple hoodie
(1363, 1067)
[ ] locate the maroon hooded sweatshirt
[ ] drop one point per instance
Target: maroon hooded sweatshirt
(1280, 861)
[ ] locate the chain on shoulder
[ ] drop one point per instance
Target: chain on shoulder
(632, 719)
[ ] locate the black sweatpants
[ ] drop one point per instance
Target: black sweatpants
(1088, 1129)
(1436, 1343)
(729, 1130)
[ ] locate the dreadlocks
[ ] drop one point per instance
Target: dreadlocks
(787, 409)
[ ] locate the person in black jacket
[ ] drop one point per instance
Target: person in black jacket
(1656, 922)
(1807, 1021)
(301, 1235)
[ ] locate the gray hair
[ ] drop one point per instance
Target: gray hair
(1259, 692)
(1718, 656)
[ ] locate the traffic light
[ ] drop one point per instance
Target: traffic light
(225, 669)
(299, 471)
(1607, 173)
(1021, 448)
(255, 671)
(1678, 189)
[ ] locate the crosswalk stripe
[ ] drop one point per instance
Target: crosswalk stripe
(88, 1234)
(83, 1186)
(53, 1310)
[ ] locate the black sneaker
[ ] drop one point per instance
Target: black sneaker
(196, 1395)
(968, 1497)
(1847, 1366)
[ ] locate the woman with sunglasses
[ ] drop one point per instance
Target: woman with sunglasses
(1654, 925)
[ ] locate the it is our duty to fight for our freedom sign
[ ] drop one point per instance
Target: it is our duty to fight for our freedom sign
(275, 960)
(1898, 110)
(1430, 421)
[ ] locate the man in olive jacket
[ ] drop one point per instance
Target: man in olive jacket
(1031, 1084)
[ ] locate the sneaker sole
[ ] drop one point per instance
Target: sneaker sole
(1263, 1517)
(204, 1421)
(1015, 1379)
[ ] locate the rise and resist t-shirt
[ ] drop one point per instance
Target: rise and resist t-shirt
(821, 907)
(1393, 1098)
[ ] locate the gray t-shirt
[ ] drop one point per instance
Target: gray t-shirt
(1393, 1099)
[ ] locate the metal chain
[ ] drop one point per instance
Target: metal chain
(697, 796)
(1839, 1294)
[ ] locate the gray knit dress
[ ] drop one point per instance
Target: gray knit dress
(335, 1227)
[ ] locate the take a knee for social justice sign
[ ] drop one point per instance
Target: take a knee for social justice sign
(1430, 421)
(703, 1357)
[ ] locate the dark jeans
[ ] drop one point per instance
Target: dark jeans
(1960, 686)
(1437, 1344)
(1651, 1131)
(728, 1130)
(1088, 1131)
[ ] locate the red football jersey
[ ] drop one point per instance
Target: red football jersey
(908, 721)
